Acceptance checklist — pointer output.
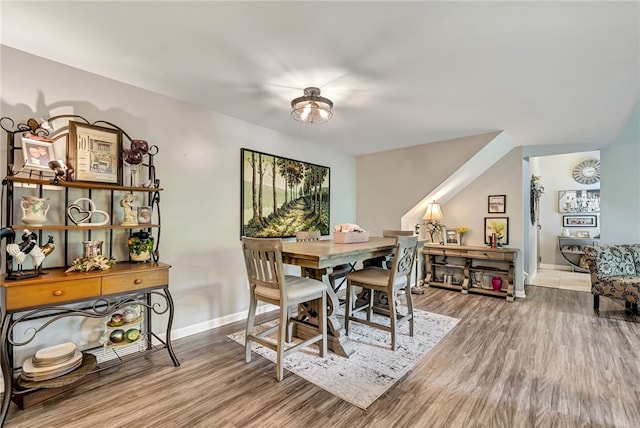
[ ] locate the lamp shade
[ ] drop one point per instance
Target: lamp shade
(433, 212)
(311, 108)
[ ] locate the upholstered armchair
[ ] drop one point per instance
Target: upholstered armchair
(615, 273)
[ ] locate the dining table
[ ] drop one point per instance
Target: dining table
(316, 259)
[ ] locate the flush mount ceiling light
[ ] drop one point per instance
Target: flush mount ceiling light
(311, 108)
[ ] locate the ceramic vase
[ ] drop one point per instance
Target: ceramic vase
(496, 282)
(34, 210)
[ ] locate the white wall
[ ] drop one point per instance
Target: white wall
(555, 175)
(199, 168)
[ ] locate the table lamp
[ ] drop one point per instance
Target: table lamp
(431, 218)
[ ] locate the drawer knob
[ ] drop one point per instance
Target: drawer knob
(137, 281)
(57, 293)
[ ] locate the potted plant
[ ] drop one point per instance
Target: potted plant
(140, 246)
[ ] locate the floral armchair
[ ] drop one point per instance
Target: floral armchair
(615, 273)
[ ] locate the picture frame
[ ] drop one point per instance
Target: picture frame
(37, 153)
(583, 234)
(451, 236)
(95, 153)
(499, 226)
(144, 214)
(579, 201)
(497, 204)
(274, 187)
(580, 221)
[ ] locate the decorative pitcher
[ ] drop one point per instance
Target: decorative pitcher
(34, 210)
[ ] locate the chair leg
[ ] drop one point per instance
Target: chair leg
(393, 317)
(322, 320)
(348, 306)
(370, 307)
(596, 301)
(280, 345)
(251, 317)
(407, 292)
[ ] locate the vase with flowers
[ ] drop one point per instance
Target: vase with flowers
(140, 246)
(461, 231)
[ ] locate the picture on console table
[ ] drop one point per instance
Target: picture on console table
(95, 153)
(579, 221)
(499, 226)
(281, 196)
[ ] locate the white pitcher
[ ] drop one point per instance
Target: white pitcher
(34, 210)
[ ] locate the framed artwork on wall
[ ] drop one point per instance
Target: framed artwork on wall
(497, 204)
(95, 153)
(579, 201)
(499, 226)
(281, 196)
(580, 221)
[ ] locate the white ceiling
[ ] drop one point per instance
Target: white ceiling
(399, 73)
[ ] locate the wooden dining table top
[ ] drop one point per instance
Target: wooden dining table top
(325, 253)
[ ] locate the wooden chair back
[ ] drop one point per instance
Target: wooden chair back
(390, 233)
(263, 258)
(313, 235)
(403, 259)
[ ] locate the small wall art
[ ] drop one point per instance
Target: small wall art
(497, 204)
(579, 221)
(499, 226)
(579, 201)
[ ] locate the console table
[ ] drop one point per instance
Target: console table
(470, 269)
(571, 249)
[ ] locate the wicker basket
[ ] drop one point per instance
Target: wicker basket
(350, 237)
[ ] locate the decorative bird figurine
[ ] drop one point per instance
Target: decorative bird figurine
(48, 247)
(26, 247)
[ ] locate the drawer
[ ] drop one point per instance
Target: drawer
(449, 252)
(490, 255)
(132, 281)
(26, 296)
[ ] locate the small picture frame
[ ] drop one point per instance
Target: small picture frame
(499, 226)
(144, 214)
(497, 204)
(580, 221)
(95, 153)
(37, 153)
(451, 237)
(583, 234)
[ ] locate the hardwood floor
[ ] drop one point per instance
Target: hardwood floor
(544, 361)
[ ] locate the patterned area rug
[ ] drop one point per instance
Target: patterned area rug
(374, 367)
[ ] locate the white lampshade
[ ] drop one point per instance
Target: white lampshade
(433, 212)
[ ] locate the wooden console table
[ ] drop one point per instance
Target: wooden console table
(470, 269)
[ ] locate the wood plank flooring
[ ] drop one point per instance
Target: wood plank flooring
(544, 361)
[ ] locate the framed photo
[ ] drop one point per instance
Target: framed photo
(95, 153)
(579, 201)
(583, 234)
(497, 204)
(281, 196)
(451, 237)
(144, 214)
(580, 221)
(37, 153)
(499, 226)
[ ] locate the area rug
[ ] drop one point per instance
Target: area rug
(374, 367)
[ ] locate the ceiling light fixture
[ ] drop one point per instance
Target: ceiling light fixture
(311, 108)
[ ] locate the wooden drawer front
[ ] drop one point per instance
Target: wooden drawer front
(442, 252)
(51, 293)
(134, 281)
(489, 255)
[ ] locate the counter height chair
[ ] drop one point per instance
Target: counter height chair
(268, 283)
(385, 261)
(338, 272)
(390, 281)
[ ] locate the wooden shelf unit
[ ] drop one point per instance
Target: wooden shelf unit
(460, 263)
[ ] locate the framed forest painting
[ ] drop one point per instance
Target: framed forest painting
(281, 196)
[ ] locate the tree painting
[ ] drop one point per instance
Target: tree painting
(282, 196)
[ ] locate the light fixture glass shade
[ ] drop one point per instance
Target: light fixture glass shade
(311, 108)
(433, 212)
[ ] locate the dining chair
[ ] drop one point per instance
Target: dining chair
(385, 261)
(268, 283)
(390, 281)
(338, 272)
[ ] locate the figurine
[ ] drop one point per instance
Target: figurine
(130, 214)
